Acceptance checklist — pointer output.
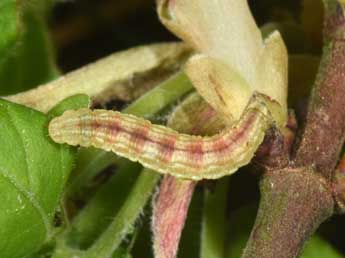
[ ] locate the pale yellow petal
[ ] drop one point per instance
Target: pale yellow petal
(273, 72)
(223, 29)
(224, 89)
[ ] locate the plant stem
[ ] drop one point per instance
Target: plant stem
(295, 200)
(158, 98)
(125, 219)
(324, 131)
(293, 205)
(93, 219)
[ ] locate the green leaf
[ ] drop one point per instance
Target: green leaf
(319, 248)
(123, 223)
(33, 171)
(26, 52)
(73, 102)
(213, 232)
(190, 240)
(105, 204)
(121, 253)
(10, 26)
(241, 223)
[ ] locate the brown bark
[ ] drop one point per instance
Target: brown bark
(296, 199)
(324, 131)
(288, 215)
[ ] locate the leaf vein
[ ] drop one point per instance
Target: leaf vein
(29, 196)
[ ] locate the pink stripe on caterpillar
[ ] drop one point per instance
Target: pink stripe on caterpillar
(195, 153)
(163, 149)
(167, 146)
(139, 137)
(114, 128)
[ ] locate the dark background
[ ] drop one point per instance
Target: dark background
(85, 30)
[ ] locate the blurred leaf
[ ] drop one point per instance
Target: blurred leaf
(191, 235)
(241, 223)
(10, 26)
(302, 74)
(121, 253)
(27, 55)
(94, 217)
(319, 248)
(124, 221)
(214, 222)
(292, 34)
(31, 179)
(278, 10)
(142, 246)
(89, 163)
(312, 20)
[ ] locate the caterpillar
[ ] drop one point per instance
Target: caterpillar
(163, 149)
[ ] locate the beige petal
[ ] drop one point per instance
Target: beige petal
(236, 62)
(195, 116)
(223, 29)
(224, 89)
(273, 72)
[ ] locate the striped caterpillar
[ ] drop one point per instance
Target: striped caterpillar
(163, 149)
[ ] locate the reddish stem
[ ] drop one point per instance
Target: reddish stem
(288, 215)
(295, 200)
(324, 130)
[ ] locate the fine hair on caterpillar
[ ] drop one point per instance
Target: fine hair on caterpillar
(163, 149)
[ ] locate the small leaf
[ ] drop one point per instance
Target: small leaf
(33, 171)
(73, 102)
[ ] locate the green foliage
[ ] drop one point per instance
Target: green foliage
(214, 221)
(33, 172)
(73, 102)
(10, 26)
(106, 203)
(26, 54)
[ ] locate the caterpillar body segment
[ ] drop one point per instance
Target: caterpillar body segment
(163, 149)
